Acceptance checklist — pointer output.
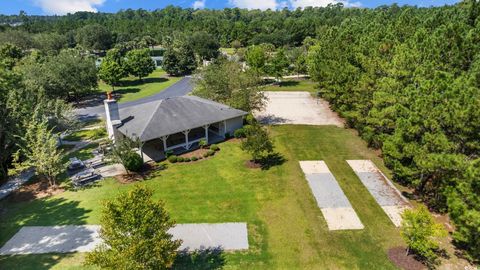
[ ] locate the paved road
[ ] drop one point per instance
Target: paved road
(181, 88)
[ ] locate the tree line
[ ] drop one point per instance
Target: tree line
(408, 79)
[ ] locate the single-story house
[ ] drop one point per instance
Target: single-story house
(174, 124)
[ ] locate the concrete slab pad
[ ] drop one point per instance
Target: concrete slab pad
(297, 108)
(395, 213)
(314, 166)
(84, 238)
(336, 209)
(380, 187)
(343, 218)
(326, 191)
(111, 170)
(229, 236)
(53, 239)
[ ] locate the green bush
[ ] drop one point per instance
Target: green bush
(210, 153)
(169, 153)
(239, 133)
(133, 162)
(180, 159)
(173, 159)
(202, 143)
(250, 119)
(205, 154)
(194, 159)
(214, 147)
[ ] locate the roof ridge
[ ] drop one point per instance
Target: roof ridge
(151, 117)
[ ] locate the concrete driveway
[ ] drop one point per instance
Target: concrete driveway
(297, 108)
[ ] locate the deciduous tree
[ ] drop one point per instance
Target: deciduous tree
(135, 234)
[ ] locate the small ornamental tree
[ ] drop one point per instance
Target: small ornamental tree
(420, 232)
(257, 142)
(39, 149)
(123, 151)
(139, 63)
(135, 234)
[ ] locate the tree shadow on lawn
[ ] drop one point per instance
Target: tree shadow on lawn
(203, 259)
(39, 212)
(31, 261)
(289, 83)
(138, 82)
(273, 159)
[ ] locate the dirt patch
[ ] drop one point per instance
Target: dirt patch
(252, 164)
(399, 257)
(196, 153)
(36, 190)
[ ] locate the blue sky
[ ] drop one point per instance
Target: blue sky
(40, 7)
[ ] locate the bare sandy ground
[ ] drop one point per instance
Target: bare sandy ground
(382, 190)
(297, 108)
(84, 238)
(336, 209)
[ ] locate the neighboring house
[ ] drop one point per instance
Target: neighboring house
(174, 124)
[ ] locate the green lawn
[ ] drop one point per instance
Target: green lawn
(286, 228)
(293, 85)
(132, 88)
(87, 134)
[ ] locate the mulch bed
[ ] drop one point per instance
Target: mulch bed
(35, 190)
(398, 256)
(196, 153)
(147, 170)
(252, 165)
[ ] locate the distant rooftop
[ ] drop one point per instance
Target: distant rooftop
(154, 119)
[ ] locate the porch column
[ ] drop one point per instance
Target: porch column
(141, 152)
(164, 140)
(186, 138)
(206, 132)
(224, 128)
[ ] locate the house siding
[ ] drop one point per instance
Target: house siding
(234, 124)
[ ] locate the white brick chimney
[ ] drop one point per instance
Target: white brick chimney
(112, 117)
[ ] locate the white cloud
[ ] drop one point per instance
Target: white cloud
(255, 4)
(199, 4)
(68, 6)
(321, 3)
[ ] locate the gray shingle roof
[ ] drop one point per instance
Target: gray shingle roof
(154, 119)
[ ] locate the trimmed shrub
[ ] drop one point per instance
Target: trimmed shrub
(180, 159)
(169, 153)
(239, 133)
(173, 159)
(194, 159)
(133, 162)
(214, 147)
(202, 143)
(210, 153)
(205, 154)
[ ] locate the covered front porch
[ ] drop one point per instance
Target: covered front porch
(184, 141)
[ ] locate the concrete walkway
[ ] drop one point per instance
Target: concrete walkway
(335, 207)
(15, 183)
(84, 238)
(382, 190)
